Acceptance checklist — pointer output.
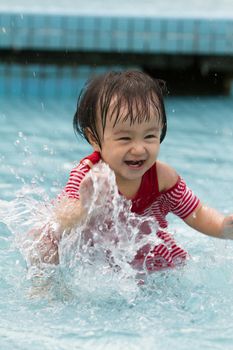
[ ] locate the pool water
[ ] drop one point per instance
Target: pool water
(185, 308)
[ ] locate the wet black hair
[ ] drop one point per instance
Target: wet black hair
(132, 89)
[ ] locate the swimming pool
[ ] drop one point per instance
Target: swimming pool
(190, 307)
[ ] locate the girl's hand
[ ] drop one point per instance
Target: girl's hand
(227, 227)
(41, 246)
(68, 212)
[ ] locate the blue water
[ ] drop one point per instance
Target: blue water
(186, 308)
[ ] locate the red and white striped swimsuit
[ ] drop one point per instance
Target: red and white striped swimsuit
(148, 201)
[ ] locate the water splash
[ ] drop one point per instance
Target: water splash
(96, 255)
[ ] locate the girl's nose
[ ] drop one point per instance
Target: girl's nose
(138, 148)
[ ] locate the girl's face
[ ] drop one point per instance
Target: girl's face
(130, 149)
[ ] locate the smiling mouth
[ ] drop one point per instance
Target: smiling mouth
(136, 163)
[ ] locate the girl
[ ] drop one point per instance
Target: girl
(122, 116)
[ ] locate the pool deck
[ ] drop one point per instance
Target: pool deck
(140, 27)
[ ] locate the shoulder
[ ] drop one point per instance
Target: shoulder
(88, 161)
(77, 175)
(92, 159)
(167, 176)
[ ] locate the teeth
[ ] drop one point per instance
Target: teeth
(131, 162)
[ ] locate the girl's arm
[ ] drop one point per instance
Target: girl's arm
(67, 213)
(210, 222)
(206, 220)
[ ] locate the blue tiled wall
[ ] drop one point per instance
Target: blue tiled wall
(127, 34)
(43, 81)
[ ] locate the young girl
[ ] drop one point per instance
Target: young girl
(122, 116)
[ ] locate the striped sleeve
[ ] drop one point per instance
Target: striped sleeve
(181, 199)
(76, 176)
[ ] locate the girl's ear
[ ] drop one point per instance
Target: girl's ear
(92, 140)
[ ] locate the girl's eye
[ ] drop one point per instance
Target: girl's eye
(124, 138)
(151, 136)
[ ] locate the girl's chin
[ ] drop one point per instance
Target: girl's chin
(131, 175)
